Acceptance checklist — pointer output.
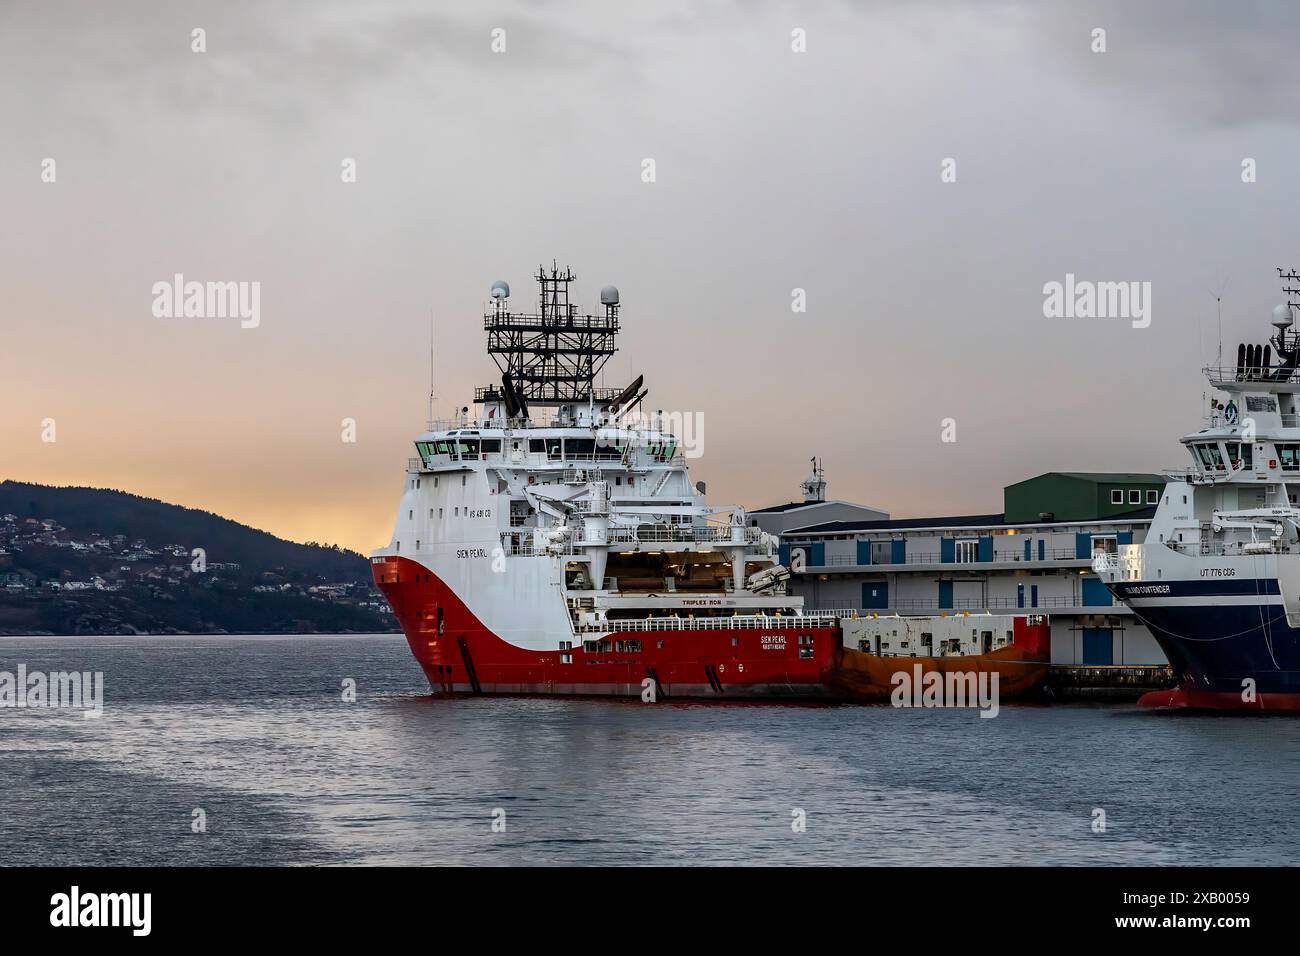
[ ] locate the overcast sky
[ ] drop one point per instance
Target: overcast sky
(775, 170)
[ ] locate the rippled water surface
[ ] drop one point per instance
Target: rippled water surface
(256, 733)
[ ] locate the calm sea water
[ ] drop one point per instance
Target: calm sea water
(256, 733)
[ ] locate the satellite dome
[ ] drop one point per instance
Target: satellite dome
(609, 295)
(1282, 316)
(500, 289)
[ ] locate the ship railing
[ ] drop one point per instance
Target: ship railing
(1189, 475)
(569, 472)
(1005, 604)
(559, 323)
(936, 557)
(1228, 549)
(682, 534)
(1226, 375)
(747, 622)
(1105, 561)
(538, 417)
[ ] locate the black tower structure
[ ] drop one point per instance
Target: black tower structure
(551, 357)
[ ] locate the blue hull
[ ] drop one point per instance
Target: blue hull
(1214, 646)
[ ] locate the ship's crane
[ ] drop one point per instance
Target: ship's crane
(1271, 521)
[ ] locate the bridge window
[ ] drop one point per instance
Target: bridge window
(491, 446)
(1211, 459)
(579, 448)
(536, 445)
(1289, 456)
(465, 449)
(554, 448)
(1153, 496)
(1117, 496)
(1134, 496)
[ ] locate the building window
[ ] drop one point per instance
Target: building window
(1104, 544)
(1116, 496)
(967, 550)
(1134, 496)
(1153, 496)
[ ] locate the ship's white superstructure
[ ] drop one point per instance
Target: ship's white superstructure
(1218, 577)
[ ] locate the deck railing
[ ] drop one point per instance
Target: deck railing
(935, 557)
(747, 622)
(708, 535)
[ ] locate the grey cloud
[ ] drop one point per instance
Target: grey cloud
(1199, 62)
(285, 62)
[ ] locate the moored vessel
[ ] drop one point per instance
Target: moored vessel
(1218, 578)
(881, 653)
(552, 542)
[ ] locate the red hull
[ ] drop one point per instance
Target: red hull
(466, 657)
(1184, 699)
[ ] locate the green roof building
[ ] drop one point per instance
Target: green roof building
(1080, 496)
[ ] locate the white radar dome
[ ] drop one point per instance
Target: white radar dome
(609, 295)
(1282, 316)
(500, 289)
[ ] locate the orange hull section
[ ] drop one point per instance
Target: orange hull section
(870, 677)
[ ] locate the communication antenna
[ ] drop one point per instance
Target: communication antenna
(1218, 309)
(431, 388)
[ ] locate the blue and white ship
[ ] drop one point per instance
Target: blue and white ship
(1217, 579)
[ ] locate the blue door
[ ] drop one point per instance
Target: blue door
(945, 595)
(1033, 595)
(1020, 595)
(1082, 545)
(1095, 593)
(875, 595)
(1098, 646)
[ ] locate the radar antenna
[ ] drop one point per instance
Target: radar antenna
(551, 357)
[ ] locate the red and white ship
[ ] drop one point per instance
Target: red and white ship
(553, 543)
